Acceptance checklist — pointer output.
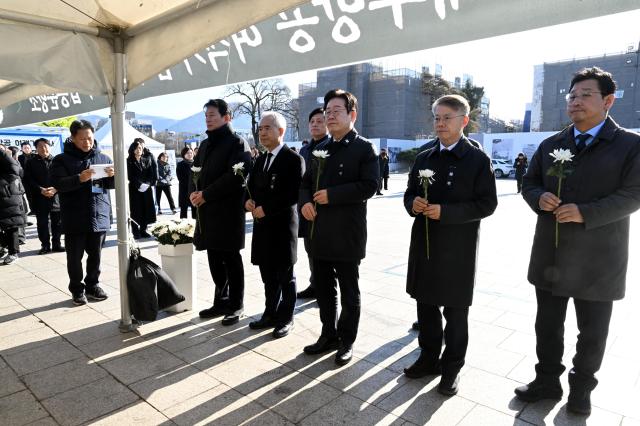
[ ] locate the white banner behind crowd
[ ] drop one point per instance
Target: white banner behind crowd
(320, 33)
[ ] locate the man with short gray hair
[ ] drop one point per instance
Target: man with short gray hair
(273, 186)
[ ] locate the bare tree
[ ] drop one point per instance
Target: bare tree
(257, 96)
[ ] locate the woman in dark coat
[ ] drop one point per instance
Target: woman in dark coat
(183, 171)
(164, 182)
(12, 209)
(520, 166)
(141, 178)
(383, 160)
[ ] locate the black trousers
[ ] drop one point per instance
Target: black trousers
(227, 272)
(279, 292)
(347, 274)
(519, 182)
(184, 210)
(77, 245)
(593, 326)
(9, 238)
(49, 228)
(167, 191)
(456, 336)
(307, 248)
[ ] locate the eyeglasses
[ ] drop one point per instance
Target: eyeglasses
(446, 118)
(334, 112)
(572, 97)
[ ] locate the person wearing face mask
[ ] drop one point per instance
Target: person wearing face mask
(85, 209)
(520, 166)
(140, 172)
(45, 200)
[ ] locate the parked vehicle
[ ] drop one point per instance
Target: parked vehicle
(502, 168)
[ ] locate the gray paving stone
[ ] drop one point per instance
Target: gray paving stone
(484, 416)
(42, 357)
(295, 396)
(555, 412)
(225, 407)
(490, 390)
(164, 390)
(348, 410)
(47, 421)
(91, 333)
(79, 405)
(211, 353)
(141, 364)
(137, 414)
(419, 402)
(19, 326)
(62, 377)
(9, 382)
(20, 408)
(115, 346)
(28, 340)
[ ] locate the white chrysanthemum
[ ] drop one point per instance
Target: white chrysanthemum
(426, 173)
(320, 153)
(175, 236)
(237, 168)
(561, 155)
(196, 169)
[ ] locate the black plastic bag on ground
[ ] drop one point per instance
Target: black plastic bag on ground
(143, 277)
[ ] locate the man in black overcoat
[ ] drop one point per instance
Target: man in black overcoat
(45, 200)
(589, 261)
(319, 135)
(348, 177)
(85, 209)
(441, 269)
(220, 216)
(274, 184)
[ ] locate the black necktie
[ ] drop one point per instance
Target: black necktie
(582, 141)
(266, 165)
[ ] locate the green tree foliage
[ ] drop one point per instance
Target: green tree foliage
(408, 156)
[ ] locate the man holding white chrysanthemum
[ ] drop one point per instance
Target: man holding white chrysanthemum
(333, 195)
(583, 183)
(218, 196)
(451, 188)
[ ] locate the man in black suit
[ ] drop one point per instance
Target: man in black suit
(219, 198)
(319, 135)
(274, 184)
(337, 204)
(581, 245)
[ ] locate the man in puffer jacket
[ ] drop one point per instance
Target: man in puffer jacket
(85, 208)
(12, 211)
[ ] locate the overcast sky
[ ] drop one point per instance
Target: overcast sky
(503, 65)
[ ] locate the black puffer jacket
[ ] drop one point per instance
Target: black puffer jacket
(12, 212)
(83, 208)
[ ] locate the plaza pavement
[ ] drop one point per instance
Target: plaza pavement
(67, 365)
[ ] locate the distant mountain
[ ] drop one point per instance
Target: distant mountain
(159, 123)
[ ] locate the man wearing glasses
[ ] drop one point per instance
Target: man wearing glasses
(580, 247)
(333, 195)
(444, 240)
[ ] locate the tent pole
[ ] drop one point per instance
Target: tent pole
(122, 199)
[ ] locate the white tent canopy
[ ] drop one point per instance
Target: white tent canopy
(51, 46)
(104, 137)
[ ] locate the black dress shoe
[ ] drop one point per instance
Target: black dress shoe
(415, 326)
(282, 330)
(448, 385)
(579, 402)
(44, 250)
(59, 249)
(344, 355)
(422, 368)
(324, 344)
(307, 293)
(262, 323)
(539, 389)
(231, 319)
(213, 312)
